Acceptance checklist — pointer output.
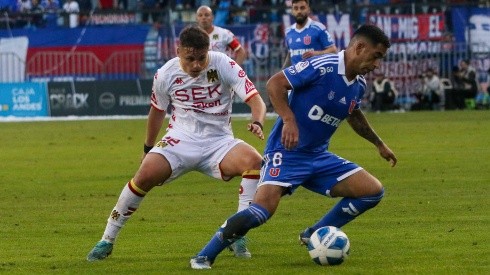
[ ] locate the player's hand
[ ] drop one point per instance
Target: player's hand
(308, 54)
(290, 135)
(256, 130)
(387, 154)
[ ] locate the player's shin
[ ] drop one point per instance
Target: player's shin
(236, 226)
(248, 186)
(347, 209)
(129, 200)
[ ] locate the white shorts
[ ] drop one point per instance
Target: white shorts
(187, 154)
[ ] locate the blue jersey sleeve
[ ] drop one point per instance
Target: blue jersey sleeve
(326, 39)
(301, 74)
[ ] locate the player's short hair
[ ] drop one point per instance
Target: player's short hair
(193, 36)
(296, 1)
(374, 34)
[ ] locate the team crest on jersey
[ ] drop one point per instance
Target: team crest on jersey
(212, 76)
(331, 95)
(215, 37)
(301, 66)
(249, 86)
(274, 172)
(307, 40)
(179, 81)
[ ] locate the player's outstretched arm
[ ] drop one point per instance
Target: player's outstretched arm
(361, 126)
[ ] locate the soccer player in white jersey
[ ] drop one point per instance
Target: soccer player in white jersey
(306, 37)
(220, 39)
(199, 85)
(326, 90)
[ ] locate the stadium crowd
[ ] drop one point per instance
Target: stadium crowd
(39, 13)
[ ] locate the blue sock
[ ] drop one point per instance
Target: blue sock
(348, 209)
(236, 226)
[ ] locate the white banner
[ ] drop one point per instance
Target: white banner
(13, 54)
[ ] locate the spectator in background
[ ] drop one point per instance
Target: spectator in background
(24, 8)
(468, 75)
(51, 9)
(85, 8)
(72, 9)
(433, 93)
(37, 14)
(150, 9)
(306, 38)
(383, 94)
(457, 92)
(8, 5)
(51, 5)
(483, 97)
(221, 40)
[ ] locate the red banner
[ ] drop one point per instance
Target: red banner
(404, 28)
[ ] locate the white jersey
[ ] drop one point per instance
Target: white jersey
(201, 106)
(221, 39)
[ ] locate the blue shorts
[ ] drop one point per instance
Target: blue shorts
(317, 172)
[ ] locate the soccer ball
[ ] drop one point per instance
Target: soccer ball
(328, 246)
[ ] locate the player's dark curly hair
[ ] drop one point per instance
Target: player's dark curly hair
(193, 36)
(373, 34)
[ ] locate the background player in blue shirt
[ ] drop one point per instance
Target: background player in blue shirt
(326, 89)
(306, 38)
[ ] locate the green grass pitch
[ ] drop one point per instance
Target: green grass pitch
(60, 179)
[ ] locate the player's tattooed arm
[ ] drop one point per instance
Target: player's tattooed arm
(361, 126)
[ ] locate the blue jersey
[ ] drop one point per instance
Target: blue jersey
(312, 37)
(320, 99)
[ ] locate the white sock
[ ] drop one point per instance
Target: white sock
(248, 186)
(129, 200)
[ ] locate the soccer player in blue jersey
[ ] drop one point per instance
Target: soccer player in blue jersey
(306, 38)
(326, 90)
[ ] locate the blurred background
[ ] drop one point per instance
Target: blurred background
(100, 59)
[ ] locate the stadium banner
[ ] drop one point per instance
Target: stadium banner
(100, 98)
(408, 28)
(472, 25)
(26, 99)
(13, 53)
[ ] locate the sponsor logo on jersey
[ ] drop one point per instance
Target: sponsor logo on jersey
(249, 86)
(301, 66)
(212, 76)
(232, 63)
(298, 40)
(307, 40)
(317, 113)
(291, 70)
(342, 100)
(179, 81)
(241, 73)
